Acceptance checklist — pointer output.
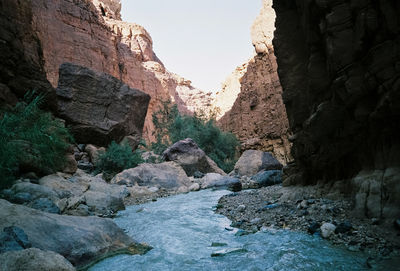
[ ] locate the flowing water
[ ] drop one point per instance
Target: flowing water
(182, 229)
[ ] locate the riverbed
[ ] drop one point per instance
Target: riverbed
(187, 234)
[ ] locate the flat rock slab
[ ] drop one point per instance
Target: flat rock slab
(81, 240)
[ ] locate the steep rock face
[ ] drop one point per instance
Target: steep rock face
(339, 68)
(98, 107)
(251, 103)
(21, 67)
(90, 33)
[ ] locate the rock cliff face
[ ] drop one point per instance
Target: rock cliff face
(339, 68)
(251, 98)
(88, 33)
(339, 65)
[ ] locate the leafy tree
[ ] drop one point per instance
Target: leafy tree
(31, 139)
(117, 158)
(171, 127)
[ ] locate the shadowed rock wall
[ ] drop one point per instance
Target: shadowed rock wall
(339, 66)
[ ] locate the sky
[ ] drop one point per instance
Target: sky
(201, 40)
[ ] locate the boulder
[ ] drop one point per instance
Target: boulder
(191, 158)
(81, 240)
(253, 161)
(69, 187)
(267, 178)
(98, 107)
(327, 229)
(71, 165)
(94, 152)
(215, 180)
(103, 203)
(168, 175)
(376, 193)
(25, 192)
(34, 259)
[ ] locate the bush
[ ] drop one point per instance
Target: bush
(31, 140)
(117, 158)
(171, 126)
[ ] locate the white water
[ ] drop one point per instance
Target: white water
(182, 228)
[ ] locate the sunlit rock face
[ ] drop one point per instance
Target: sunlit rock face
(44, 34)
(250, 101)
(338, 63)
(92, 35)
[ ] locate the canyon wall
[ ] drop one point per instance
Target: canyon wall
(339, 65)
(90, 33)
(250, 101)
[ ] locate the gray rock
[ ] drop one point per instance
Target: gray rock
(98, 107)
(21, 191)
(34, 259)
(45, 205)
(168, 175)
(85, 165)
(191, 158)
(217, 181)
(267, 178)
(80, 210)
(13, 238)
(64, 187)
(252, 161)
(227, 251)
(327, 229)
(103, 203)
(82, 240)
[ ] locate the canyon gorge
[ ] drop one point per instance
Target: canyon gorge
(320, 94)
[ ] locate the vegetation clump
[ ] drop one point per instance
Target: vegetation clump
(117, 158)
(171, 126)
(31, 140)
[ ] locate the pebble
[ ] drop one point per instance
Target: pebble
(241, 208)
(327, 229)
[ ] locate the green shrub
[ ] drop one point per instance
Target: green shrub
(171, 126)
(117, 158)
(31, 139)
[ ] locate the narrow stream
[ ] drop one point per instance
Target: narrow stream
(182, 229)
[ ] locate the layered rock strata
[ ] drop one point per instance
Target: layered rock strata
(250, 101)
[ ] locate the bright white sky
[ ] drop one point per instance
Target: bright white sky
(201, 40)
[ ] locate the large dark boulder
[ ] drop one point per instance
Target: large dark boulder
(191, 158)
(81, 240)
(98, 107)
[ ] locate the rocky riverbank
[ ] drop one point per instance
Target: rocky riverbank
(311, 209)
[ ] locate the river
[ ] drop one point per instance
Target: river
(182, 229)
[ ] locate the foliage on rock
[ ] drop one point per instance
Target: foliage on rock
(31, 140)
(117, 158)
(171, 126)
